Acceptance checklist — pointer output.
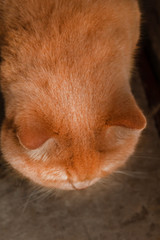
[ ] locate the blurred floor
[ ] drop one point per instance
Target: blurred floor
(126, 207)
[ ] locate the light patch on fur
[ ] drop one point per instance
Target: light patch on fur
(109, 167)
(85, 184)
(18, 164)
(65, 186)
(41, 153)
(54, 174)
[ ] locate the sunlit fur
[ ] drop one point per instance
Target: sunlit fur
(70, 117)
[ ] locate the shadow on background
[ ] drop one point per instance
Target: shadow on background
(1, 109)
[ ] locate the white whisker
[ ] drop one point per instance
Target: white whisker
(132, 174)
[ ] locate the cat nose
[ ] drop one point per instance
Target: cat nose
(85, 184)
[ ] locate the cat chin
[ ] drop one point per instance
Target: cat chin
(53, 178)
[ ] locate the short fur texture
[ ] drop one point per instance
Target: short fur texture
(70, 117)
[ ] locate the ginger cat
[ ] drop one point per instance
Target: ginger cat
(70, 116)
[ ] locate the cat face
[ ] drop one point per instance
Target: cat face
(74, 152)
(70, 117)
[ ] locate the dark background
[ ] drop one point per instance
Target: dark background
(149, 61)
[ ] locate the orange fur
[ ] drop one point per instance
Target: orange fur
(70, 117)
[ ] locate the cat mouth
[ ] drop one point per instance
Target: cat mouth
(73, 186)
(84, 184)
(68, 185)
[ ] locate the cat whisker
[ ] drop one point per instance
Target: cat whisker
(38, 193)
(43, 193)
(132, 174)
(147, 157)
(28, 201)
